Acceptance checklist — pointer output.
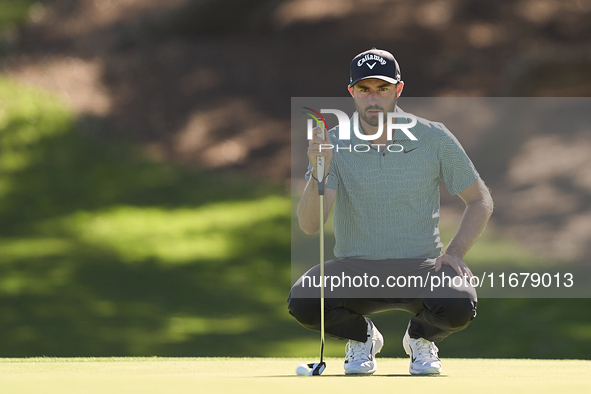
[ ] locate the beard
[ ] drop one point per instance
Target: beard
(374, 120)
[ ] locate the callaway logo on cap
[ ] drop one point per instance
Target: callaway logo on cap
(374, 63)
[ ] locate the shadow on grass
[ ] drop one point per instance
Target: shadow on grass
(105, 253)
(72, 207)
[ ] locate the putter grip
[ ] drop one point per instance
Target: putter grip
(320, 174)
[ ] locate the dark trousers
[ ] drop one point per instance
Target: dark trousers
(435, 317)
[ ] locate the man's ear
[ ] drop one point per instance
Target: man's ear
(350, 88)
(399, 87)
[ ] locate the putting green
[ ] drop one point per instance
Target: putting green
(277, 375)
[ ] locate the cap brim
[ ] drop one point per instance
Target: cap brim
(393, 81)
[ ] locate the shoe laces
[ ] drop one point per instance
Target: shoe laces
(424, 350)
(356, 351)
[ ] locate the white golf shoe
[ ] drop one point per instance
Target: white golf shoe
(423, 355)
(360, 358)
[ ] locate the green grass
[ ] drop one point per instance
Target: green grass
(276, 375)
(104, 252)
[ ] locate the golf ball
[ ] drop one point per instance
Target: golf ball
(303, 370)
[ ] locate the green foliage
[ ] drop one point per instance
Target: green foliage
(13, 12)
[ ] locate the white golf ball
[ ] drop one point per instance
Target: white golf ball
(303, 370)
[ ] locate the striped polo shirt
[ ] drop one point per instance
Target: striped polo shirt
(387, 204)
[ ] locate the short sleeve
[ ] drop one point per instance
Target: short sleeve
(456, 169)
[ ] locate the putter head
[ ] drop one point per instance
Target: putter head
(317, 368)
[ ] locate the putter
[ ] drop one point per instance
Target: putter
(318, 368)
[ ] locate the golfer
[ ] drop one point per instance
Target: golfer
(386, 217)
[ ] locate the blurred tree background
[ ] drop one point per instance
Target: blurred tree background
(144, 158)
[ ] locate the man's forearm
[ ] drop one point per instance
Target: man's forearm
(308, 208)
(473, 222)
